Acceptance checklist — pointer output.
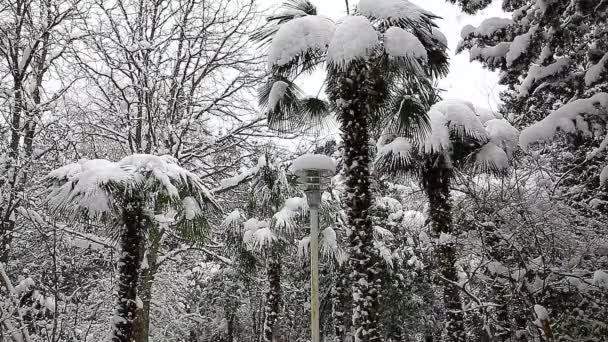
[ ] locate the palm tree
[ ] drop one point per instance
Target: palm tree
(133, 196)
(267, 227)
(460, 139)
(378, 62)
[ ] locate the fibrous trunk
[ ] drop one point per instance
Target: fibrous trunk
(273, 296)
(352, 96)
(128, 273)
(436, 180)
(341, 304)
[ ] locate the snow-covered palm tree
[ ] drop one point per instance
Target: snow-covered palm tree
(461, 137)
(131, 196)
(379, 63)
(267, 227)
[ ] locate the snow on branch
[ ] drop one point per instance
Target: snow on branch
(564, 118)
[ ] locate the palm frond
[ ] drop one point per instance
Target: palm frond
(291, 9)
(293, 111)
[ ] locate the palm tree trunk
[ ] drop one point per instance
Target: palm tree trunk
(341, 302)
(273, 296)
(128, 272)
(436, 182)
(352, 95)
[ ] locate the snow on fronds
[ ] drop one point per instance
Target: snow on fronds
(600, 279)
(497, 268)
(263, 237)
(239, 178)
(488, 27)
(254, 224)
(391, 9)
(85, 185)
(461, 118)
(233, 218)
(413, 218)
(276, 93)
(303, 246)
(563, 118)
(502, 134)
(191, 208)
(491, 157)
(466, 31)
(424, 239)
(398, 147)
(520, 45)
(604, 176)
(283, 220)
(538, 73)
(311, 32)
(355, 38)
(165, 170)
(296, 204)
(401, 43)
(31, 215)
(313, 161)
(491, 54)
(439, 137)
(541, 312)
(595, 71)
(439, 36)
(485, 114)
(329, 242)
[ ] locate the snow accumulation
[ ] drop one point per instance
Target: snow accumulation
(234, 217)
(329, 242)
(276, 93)
(391, 9)
(491, 156)
(485, 114)
(413, 218)
(191, 208)
(355, 38)
(401, 43)
(520, 45)
(488, 27)
(466, 31)
(237, 179)
(303, 246)
(441, 38)
(563, 118)
(502, 134)
(439, 137)
(600, 279)
(313, 161)
(462, 118)
(595, 71)
(537, 73)
(541, 312)
(299, 35)
(398, 147)
(489, 53)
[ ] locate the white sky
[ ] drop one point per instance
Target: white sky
(467, 80)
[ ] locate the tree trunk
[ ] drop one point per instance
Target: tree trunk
(436, 182)
(142, 320)
(341, 303)
(129, 263)
(273, 296)
(351, 97)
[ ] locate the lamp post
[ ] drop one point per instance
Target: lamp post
(314, 172)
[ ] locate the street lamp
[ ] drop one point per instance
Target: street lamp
(314, 172)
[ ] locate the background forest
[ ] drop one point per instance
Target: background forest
(146, 191)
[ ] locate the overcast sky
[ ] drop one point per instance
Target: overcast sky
(467, 80)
